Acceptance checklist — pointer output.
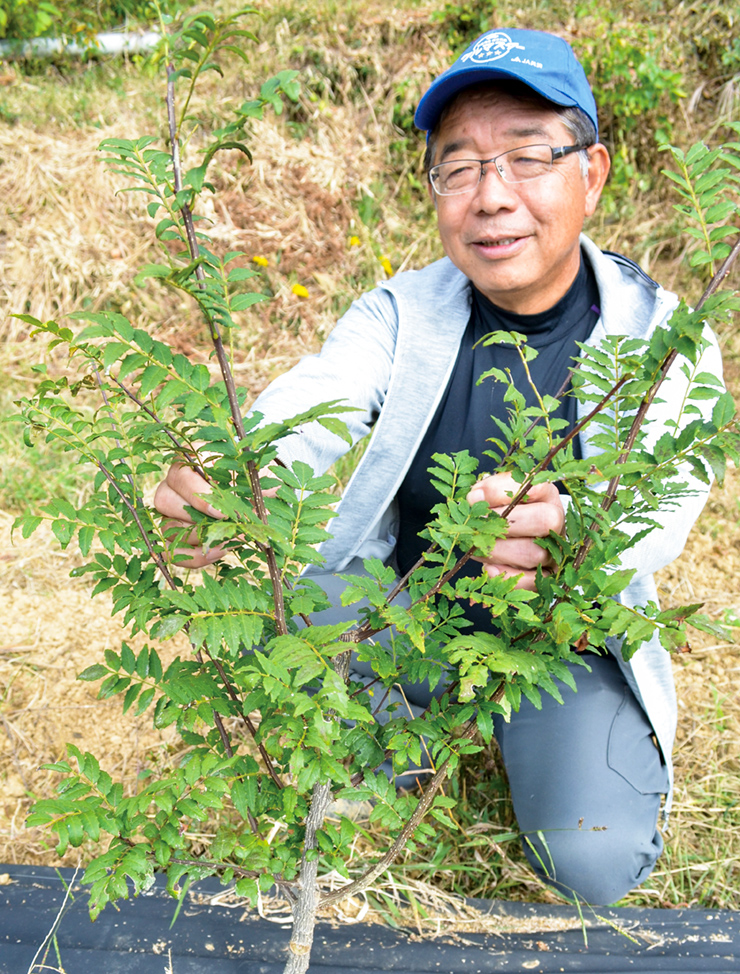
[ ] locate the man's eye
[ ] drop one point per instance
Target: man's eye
(459, 169)
(459, 174)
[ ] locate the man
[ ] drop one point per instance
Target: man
(515, 167)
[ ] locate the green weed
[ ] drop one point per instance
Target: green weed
(20, 20)
(35, 472)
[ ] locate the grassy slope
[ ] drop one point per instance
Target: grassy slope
(335, 190)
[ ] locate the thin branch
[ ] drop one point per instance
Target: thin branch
(365, 631)
(357, 778)
(721, 274)
(637, 422)
(246, 719)
(187, 219)
(156, 557)
(108, 406)
(285, 885)
(159, 561)
(218, 720)
(537, 420)
(611, 491)
(404, 835)
(277, 587)
(222, 357)
(180, 447)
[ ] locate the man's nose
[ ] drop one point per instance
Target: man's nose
(492, 191)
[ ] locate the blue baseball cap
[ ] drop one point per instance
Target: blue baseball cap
(542, 61)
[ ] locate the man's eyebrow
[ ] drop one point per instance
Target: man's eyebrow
(455, 146)
(528, 132)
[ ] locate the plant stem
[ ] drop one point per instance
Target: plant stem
(180, 447)
(307, 900)
(404, 835)
(222, 357)
(304, 909)
(721, 274)
(288, 888)
(611, 491)
(156, 557)
(159, 561)
(245, 717)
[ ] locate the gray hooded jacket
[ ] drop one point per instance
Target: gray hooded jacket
(392, 355)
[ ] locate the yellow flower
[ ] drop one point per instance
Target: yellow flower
(387, 266)
(354, 241)
(300, 291)
(262, 261)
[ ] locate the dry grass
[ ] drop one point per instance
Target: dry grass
(68, 243)
(51, 632)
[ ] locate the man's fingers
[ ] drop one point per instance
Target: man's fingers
(183, 488)
(173, 529)
(518, 554)
(498, 489)
(535, 520)
(541, 513)
(196, 557)
(527, 580)
(170, 504)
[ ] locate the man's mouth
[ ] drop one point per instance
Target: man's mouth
(497, 242)
(502, 243)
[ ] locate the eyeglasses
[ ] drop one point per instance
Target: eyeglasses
(514, 166)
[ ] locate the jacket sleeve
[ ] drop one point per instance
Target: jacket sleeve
(353, 366)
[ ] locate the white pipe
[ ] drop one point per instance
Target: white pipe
(107, 43)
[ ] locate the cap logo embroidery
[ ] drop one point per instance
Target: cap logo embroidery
(491, 47)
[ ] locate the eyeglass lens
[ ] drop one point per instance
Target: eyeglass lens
(514, 166)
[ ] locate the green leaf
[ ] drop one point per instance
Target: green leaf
(152, 270)
(128, 660)
(28, 524)
(169, 625)
(243, 301)
(724, 410)
(63, 531)
(95, 672)
(150, 378)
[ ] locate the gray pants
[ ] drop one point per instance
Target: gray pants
(586, 777)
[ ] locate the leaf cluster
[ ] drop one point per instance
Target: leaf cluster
(707, 181)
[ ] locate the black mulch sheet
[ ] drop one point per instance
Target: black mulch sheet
(214, 939)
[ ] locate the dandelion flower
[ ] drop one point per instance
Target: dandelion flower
(300, 291)
(354, 241)
(261, 261)
(386, 265)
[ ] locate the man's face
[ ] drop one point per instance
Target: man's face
(517, 242)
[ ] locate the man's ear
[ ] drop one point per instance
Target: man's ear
(598, 169)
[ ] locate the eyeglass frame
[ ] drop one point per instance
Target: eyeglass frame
(558, 152)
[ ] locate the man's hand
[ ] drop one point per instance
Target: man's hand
(540, 513)
(184, 487)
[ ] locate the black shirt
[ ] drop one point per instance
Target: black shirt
(463, 418)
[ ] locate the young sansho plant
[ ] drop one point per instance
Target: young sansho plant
(274, 728)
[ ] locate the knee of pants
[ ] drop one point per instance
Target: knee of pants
(598, 867)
